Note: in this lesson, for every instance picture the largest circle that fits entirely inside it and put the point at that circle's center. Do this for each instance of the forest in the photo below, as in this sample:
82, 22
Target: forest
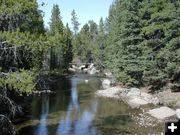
139, 42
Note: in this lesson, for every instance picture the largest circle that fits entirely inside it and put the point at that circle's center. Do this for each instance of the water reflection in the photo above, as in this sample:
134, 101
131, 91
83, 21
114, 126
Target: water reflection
42, 127
74, 124
75, 110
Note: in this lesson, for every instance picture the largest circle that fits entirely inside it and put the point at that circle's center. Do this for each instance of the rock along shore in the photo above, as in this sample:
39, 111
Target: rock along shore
135, 98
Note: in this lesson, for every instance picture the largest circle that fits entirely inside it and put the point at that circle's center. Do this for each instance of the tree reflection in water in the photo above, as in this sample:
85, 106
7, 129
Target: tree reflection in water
74, 124
42, 127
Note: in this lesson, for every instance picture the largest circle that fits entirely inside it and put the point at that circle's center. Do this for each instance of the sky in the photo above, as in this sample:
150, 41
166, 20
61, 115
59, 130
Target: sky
85, 9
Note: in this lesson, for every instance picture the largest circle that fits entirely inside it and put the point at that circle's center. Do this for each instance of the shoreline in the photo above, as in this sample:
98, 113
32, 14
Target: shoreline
164, 103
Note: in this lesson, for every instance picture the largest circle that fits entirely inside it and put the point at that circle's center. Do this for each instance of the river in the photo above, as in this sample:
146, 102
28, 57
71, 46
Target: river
75, 110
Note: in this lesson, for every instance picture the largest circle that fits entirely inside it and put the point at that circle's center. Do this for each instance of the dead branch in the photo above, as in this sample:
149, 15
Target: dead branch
6, 126
7, 107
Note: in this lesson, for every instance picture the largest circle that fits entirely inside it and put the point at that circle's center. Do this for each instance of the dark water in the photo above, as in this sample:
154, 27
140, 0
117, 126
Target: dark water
75, 110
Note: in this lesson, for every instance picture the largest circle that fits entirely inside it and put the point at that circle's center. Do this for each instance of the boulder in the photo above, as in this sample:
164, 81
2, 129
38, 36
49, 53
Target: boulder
106, 83
74, 67
71, 70
92, 71
162, 113
136, 102
91, 66
150, 99
155, 101
133, 92
112, 92
85, 70
178, 113
82, 67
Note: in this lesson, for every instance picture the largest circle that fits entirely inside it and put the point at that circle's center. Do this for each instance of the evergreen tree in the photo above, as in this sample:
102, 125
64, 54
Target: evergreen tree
161, 36
93, 30
68, 54
57, 32
75, 22
124, 39
84, 44
56, 24
22, 15
142, 46
101, 28
99, 51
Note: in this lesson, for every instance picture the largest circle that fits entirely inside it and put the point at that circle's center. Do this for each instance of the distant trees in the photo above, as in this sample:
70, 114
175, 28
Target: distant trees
89, 43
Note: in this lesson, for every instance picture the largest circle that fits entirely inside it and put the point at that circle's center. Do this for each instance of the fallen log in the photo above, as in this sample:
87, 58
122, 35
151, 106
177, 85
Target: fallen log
43, 92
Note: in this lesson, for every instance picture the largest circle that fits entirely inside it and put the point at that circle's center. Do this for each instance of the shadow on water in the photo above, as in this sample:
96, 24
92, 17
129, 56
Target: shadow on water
75, 110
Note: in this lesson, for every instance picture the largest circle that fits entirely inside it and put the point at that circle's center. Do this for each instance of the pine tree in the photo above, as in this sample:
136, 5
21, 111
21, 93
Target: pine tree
124, 38
56, 31
84, 49
68, 54
101, 28
93, 30
99, 50
143, 42
75, 22
56, 24
161, 36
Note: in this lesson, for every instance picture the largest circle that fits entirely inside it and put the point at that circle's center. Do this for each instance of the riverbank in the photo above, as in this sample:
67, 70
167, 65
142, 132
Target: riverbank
164, 101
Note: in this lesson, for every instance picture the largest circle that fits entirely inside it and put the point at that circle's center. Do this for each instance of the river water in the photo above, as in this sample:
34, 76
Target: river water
75, 110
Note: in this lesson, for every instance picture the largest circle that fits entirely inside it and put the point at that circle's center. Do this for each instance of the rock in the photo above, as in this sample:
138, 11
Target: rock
112, 92
162, 112
91, 66
71, 70
155, 101
74, 67
108, 73
136, 102
106, 83
133, 96
178, 113
82, 67
177, 104
93, 71
150, 99
86, 81
85, 70
133, 92
146, 96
